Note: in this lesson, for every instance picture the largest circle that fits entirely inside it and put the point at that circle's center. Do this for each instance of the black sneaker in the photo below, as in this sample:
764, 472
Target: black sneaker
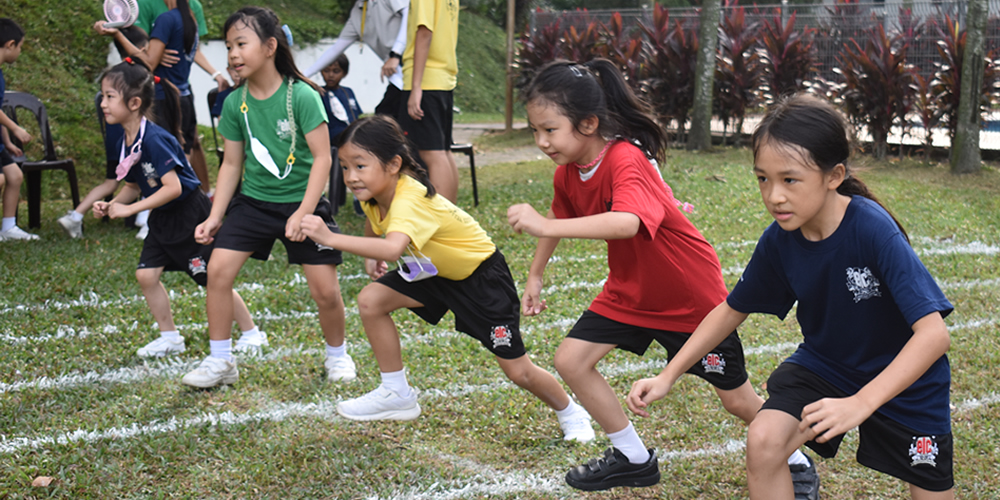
805, 480
613, 470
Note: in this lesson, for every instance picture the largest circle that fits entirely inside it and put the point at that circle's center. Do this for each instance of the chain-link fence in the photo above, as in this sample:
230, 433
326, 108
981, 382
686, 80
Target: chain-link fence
835, 25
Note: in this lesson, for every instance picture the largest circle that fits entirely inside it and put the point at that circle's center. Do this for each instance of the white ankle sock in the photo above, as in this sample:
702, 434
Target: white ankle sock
630, 444
568, 410
76, 216
173, 335
798, 458
396, 382
8, 222
141, 218
251, 333
222, 349
339, 352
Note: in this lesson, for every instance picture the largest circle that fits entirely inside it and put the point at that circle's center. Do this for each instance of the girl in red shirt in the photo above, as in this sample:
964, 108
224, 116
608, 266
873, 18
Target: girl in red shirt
664, 277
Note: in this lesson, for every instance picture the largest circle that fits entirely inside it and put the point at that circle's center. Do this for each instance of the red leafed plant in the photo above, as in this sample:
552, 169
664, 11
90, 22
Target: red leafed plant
737, 68
537, 49
947, 83
624, 48
789, 57
671, 53
927, 110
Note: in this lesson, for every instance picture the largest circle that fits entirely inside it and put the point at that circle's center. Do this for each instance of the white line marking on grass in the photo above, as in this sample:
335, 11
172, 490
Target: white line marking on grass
977, 403
950, 285
931, 246
731, 446
976, 323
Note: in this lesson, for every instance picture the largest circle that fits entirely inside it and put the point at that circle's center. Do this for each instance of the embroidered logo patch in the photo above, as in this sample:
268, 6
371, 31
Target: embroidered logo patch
714, 363
149, 173
923, 451
862, 283
500, 336
283, 129
197, 265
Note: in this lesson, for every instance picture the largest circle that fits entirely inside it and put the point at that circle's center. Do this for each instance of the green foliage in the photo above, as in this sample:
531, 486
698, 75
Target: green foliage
789, 57
672, 52
947, 84
738, 68
482, 56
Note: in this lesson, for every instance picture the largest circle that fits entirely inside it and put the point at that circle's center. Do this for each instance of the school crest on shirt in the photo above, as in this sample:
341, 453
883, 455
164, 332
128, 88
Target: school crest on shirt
500, 335
197, 265
714, 363
923, 451
149, 173
862, 283
283, 129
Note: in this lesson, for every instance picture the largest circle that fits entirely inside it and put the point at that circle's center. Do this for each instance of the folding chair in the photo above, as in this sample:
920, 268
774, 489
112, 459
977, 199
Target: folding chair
337, 192
33, 169
212, 97
467, 149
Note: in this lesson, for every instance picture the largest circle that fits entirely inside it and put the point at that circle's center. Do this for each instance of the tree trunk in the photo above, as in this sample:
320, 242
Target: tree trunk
966, 157
704, 79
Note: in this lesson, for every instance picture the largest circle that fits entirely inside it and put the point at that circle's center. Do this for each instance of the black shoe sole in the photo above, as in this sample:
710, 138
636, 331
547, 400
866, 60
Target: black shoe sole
627, 481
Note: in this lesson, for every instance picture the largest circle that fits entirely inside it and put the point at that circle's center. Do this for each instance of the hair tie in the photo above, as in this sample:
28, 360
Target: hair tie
576, 71
129, 60
156, 79
288, 34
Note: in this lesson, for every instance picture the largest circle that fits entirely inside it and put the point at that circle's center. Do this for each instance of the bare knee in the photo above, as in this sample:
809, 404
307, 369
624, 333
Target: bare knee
147, 278
568, 365
13, 177
764, 447
520, 371
327, 296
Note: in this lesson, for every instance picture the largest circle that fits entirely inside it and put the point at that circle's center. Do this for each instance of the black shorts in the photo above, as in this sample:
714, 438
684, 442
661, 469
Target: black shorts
485, 304
884, 445
433, 132
253, 225
390, 101
170, 243
189, 121
6, 158
724, 367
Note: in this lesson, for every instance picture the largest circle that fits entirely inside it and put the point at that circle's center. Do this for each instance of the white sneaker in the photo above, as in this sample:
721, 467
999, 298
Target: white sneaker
16, 233
380, 404
576, 427
161, 347
143, 231
340, 369
251, 345
212, 372
72, 226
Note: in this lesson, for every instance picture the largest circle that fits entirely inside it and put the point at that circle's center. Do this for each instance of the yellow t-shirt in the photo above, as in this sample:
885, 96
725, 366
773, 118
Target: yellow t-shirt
439, 230
441, 17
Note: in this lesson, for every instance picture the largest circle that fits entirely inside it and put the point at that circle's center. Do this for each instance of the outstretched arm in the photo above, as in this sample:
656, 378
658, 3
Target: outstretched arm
716, 326
834, 416
606, 226
386, 249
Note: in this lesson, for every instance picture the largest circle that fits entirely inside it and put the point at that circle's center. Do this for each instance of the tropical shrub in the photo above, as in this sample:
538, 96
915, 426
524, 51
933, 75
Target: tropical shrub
947, 83
788, 57
926, 109
737, 70
671, 53
624, 48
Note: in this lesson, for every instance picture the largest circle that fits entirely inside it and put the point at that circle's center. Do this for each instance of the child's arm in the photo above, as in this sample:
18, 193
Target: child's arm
319, 144
716, 326
386, 249
421, 48
834, 416
374, 267
606, 226
120, 207
531, 301
19, 132
14, 150
230, 173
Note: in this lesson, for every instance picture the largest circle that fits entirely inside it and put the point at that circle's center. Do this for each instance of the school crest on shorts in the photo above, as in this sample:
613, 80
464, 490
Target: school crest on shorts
714, 363
197, 265
923, 451
500, 335
862, 283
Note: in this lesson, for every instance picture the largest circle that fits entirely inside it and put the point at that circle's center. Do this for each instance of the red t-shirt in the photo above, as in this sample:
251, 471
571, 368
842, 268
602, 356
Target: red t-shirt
665, 277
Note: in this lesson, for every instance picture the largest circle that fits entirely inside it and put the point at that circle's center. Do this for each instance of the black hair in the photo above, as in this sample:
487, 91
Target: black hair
343, 62
264, 22
132, 78
189, 23
381, 136
10, 30
134, 34
597, 88
812, 125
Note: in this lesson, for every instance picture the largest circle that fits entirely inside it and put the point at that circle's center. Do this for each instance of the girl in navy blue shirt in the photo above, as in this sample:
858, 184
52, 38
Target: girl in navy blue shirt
872, 317
153, 164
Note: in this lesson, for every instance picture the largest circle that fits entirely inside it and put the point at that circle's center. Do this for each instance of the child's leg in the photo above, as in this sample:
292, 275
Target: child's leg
241, 313
772, 437
918, 493
12, 192
375, 304
325, 290
576, 361
742, 402
537, 381
222, 270
156, 297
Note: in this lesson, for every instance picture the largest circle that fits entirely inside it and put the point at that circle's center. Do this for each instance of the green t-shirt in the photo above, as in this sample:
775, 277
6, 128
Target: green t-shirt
269, 124
149, 10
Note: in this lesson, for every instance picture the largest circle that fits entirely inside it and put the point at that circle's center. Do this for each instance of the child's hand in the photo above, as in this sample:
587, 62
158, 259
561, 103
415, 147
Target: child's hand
531, 302
831, 417
204, 233
413, 107
169, 58
101, 30
316, 229
100, 209
119, 210
376, 268
13, 150
645, 391
524, 218
293, 228
22, 135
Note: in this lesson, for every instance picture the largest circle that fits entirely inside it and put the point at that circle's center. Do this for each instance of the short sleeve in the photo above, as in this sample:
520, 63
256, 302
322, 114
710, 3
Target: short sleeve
561, 205
911, 285
162, 28
308, 107
230, 122
411, 219
763, 288
635, 191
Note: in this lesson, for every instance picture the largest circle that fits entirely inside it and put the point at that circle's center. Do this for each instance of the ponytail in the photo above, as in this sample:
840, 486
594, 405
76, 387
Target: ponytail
264, 22
381, 136
189, 23
816, 127
598, 89
170, 109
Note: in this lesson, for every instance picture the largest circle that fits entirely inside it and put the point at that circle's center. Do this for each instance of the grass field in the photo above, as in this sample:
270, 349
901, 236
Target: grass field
79, 406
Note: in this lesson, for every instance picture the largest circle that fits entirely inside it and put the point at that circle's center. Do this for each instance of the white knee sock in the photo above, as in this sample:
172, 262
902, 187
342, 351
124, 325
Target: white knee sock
630, 444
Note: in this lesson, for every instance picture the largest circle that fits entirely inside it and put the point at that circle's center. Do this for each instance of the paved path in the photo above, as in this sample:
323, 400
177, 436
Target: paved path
467, 132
